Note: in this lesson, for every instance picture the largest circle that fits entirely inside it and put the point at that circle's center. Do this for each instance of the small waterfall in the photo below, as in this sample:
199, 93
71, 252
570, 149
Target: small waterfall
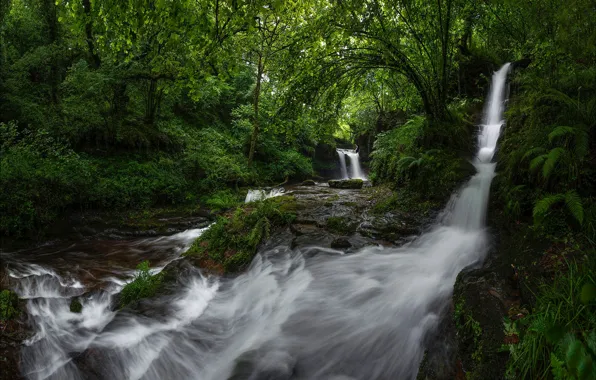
259, 194
291, 315
355, 168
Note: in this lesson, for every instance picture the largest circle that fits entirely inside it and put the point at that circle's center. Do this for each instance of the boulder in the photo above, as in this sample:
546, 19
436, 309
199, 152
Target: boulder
308, 182
346, 183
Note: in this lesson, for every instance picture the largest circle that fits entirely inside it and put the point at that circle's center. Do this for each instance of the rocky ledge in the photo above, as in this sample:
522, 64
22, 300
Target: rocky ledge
346, 183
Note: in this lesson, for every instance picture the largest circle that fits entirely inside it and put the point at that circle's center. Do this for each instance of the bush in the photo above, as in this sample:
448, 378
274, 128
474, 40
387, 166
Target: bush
144, 285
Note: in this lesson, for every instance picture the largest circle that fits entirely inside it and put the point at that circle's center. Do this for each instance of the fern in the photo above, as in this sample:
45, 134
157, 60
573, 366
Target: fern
537, 162
572, 201
560, 131
575, 206
551, 161
533, 152
543, 206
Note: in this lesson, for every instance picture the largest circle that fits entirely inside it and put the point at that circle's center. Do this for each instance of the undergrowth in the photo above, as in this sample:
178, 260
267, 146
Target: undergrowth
558, 339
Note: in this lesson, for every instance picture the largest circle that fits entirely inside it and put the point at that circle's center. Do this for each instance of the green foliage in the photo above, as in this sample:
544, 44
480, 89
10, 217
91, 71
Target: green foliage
399, 159
222, 200
572, 201
143, 285
8, 305
559, 336
232, 241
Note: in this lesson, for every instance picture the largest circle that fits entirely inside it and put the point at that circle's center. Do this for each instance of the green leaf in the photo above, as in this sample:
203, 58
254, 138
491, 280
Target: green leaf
537, 162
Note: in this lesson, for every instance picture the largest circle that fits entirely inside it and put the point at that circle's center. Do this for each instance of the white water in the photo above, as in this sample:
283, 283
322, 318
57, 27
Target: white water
259, 195
327, 316
355, 167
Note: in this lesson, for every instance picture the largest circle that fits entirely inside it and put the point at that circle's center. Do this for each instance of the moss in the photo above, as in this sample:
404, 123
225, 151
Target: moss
9, 303
347, 184
341, 225
76, 306
232, 241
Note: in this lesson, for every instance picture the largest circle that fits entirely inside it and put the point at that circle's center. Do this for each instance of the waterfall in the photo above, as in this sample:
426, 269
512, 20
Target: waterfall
342, 163
355, 168
292, 315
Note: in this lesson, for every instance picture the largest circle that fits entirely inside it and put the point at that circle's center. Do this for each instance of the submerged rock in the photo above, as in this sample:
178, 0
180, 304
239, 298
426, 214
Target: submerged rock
346, 183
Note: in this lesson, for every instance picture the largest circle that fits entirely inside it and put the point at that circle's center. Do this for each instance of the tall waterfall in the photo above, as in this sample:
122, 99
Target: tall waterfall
355, 168
359, 316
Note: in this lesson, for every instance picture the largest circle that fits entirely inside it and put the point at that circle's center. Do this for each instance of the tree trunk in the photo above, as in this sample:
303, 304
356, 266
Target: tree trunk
89, 34
255, 131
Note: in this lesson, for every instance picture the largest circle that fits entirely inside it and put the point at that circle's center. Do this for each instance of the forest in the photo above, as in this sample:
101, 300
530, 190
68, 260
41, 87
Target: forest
124, 108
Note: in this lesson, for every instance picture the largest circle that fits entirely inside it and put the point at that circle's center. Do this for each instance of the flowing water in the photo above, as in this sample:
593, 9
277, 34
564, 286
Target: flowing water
355, 168
259, 195
327, 316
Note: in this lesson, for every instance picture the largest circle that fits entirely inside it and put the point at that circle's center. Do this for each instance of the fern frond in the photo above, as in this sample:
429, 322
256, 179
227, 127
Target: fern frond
582, 143
574, 204
561, 131
533, 152
544, 205
551, 161
537, 162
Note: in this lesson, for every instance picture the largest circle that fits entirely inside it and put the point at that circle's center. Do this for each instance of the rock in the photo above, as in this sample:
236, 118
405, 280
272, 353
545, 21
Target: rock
308, 182
346, 184
341, 242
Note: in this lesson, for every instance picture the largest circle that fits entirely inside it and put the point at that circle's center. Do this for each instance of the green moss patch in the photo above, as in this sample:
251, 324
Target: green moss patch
341, 225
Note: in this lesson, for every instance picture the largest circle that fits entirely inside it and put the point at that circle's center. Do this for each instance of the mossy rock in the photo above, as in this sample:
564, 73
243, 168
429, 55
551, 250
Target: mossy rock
308, 182
346, 184
341, 225
76, 306
9, 305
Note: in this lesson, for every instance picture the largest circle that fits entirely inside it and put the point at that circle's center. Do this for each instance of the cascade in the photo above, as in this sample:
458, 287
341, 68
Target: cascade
355, 168
291, 315
259, 194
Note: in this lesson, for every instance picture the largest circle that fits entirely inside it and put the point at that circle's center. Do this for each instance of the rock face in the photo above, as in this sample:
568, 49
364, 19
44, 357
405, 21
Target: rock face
346, 184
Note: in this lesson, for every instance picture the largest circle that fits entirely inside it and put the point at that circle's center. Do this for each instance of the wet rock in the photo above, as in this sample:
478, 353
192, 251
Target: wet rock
341, 242
308, 182
346, 184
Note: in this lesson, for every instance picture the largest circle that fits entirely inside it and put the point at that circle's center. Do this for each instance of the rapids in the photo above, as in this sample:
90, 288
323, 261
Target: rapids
293, 314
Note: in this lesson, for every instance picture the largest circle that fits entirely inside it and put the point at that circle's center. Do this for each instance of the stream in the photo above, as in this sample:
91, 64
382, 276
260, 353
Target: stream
296, 313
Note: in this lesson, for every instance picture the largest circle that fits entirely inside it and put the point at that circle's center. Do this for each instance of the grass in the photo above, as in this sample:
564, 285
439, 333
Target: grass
230, 244
144, 285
